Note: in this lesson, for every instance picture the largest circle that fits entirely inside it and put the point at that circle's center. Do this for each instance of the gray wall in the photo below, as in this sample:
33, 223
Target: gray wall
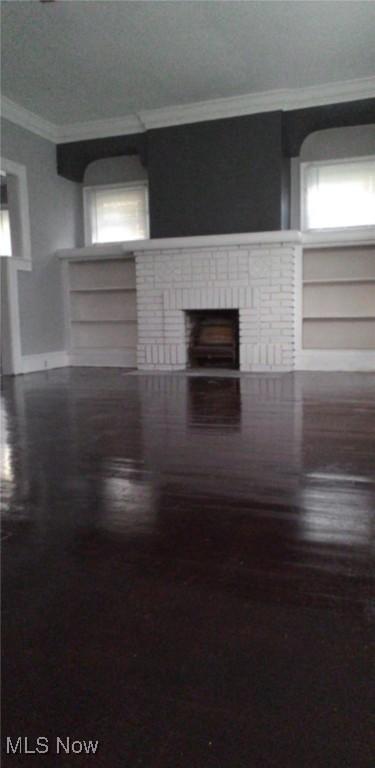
56, 222
331, 144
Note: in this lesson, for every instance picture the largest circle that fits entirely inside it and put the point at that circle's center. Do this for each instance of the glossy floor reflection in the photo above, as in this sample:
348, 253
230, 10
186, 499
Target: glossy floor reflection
188, 568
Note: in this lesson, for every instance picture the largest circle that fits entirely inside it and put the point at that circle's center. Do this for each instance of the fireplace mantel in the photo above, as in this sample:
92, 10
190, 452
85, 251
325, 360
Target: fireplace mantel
211, 241
131, 247
318, 239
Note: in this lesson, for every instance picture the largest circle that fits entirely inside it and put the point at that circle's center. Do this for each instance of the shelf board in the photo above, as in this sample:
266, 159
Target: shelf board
336, 281
340, 317
104, 348
100, 322
101, 290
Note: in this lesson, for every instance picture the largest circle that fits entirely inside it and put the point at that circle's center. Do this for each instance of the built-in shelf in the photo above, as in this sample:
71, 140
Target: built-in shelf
100, 289
338, 317
114, 349
99, 322
338, 280
100, 300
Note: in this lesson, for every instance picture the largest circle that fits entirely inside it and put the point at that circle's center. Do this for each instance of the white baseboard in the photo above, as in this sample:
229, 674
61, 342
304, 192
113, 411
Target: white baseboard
307, 360
44, 361
106, 358
336, 360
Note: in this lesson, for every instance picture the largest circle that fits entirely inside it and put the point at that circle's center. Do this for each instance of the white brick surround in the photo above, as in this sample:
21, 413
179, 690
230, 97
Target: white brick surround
258, 275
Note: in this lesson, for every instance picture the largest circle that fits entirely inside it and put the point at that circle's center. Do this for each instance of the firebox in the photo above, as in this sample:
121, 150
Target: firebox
212, 338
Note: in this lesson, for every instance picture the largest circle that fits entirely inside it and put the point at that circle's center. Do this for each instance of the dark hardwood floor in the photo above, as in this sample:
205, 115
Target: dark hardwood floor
188, 568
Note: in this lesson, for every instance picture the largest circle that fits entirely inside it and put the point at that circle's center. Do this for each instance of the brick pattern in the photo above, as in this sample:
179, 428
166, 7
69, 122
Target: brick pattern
260, 282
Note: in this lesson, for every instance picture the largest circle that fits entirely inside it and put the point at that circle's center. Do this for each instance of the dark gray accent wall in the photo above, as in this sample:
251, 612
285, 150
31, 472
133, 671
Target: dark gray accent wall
216, 177
299, 123
285, 193
74, 157
219, 176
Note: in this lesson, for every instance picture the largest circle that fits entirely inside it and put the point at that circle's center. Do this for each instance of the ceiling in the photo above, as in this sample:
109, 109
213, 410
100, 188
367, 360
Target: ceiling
73, 61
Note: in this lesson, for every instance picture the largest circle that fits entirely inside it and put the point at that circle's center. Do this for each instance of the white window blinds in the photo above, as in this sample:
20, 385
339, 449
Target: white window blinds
340, 194
118, 213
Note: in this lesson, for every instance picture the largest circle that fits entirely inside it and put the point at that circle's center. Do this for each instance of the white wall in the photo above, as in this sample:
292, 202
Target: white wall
56, 222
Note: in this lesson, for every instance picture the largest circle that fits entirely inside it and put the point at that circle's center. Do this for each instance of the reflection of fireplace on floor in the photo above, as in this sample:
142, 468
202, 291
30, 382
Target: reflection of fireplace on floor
214, 401
212, 338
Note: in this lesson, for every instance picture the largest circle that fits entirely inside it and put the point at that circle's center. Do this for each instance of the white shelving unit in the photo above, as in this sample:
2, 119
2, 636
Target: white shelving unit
101, 311
337, 281
339, 298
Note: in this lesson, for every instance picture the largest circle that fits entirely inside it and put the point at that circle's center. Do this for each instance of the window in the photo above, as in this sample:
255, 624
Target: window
5, 240
116, 213
338, 194
14, 214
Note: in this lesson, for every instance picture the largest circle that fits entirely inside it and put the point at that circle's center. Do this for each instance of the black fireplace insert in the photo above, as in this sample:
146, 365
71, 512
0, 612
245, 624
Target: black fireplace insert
213, 338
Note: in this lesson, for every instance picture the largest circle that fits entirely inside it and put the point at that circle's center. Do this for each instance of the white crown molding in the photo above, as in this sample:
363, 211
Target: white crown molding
29, 120
268, 101
100, 129
248, 104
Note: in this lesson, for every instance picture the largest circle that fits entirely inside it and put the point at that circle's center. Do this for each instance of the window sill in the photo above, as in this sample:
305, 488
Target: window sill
332, 237
100, 251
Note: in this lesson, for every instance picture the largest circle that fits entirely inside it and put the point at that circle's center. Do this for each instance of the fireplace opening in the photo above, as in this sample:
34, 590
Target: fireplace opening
212, 338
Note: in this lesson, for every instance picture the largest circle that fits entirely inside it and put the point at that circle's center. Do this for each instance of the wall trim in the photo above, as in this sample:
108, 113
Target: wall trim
292, 237
100, 129
360, 360
128, 249
320, 239
266, 101
104, 358
195, 112
12, 363
97, 251
29, 120
307, 360
44, 361
21, 245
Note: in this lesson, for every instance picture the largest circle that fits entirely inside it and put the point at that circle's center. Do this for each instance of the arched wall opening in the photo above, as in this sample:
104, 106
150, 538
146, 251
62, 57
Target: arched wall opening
115, 193
329, 144
115, 170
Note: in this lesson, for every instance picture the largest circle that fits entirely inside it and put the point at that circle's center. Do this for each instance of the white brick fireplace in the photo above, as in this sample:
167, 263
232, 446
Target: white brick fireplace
259, 275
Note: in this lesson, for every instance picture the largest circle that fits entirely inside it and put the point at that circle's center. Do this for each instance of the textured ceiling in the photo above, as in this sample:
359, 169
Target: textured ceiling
83, 60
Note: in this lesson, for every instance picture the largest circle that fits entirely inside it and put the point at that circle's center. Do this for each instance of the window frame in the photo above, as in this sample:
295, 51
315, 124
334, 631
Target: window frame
87, 197
21, 240
304, 166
